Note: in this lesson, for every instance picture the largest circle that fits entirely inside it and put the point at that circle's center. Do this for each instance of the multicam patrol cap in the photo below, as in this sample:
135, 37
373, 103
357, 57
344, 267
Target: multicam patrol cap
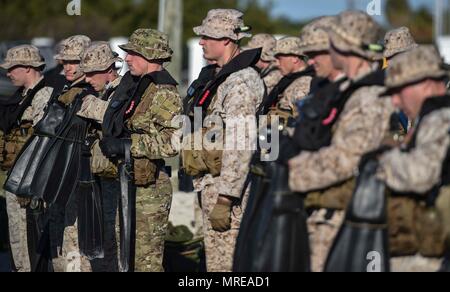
73, 47
223, 23
314, 35
289, 46
268, 44
25, 55
357, 33
150, 44
398, 41
98, 57
413, 66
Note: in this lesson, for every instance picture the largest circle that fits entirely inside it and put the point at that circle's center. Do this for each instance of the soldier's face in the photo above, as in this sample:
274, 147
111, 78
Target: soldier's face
322, 63
287, 64
18, 75
98, 80
409, 99
138, 65
337, 59
213, 49
72, 70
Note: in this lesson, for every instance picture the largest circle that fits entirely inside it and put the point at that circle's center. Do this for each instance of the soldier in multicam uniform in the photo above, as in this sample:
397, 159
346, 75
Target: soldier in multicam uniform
270, 73
236, 97
149, 120
417, 172
99, 65
24, 110
359, 126
70, 258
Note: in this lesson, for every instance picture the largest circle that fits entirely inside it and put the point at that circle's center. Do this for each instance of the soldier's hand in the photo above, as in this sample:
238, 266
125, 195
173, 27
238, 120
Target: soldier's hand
23, 202
220, 217
113, 147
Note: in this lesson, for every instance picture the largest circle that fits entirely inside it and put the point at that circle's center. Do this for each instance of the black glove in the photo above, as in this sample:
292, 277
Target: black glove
288, 149
113, 147
373, 155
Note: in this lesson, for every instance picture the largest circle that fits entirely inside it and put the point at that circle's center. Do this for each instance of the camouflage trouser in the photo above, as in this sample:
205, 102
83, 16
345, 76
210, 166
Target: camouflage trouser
415, 264
70, 259
152, 218
219, 246
322, 233
17, 220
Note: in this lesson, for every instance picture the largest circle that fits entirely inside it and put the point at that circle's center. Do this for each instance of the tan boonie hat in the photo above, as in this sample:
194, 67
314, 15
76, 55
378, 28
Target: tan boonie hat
398, 41
150, 44
25, 55
265, 41
73, 47
223, 23
414, 66
314, 36
289, 46
357, 33
98, 57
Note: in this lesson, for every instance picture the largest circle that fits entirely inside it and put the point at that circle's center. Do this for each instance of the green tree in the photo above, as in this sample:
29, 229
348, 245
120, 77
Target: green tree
102, 19
420, 21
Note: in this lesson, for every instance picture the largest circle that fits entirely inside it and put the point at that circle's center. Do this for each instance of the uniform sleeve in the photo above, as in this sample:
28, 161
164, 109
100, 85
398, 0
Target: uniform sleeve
420, 169
36, 111
156, 142
360, 129
297, 91
93, 108
240, 106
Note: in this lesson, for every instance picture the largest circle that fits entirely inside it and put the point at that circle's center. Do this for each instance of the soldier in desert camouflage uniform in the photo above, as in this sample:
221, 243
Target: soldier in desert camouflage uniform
149, 120
25, 109
99, 65
359, 127
70, 258
270, 73
417, 172
316, 45
397, 41
291, 61
236, 97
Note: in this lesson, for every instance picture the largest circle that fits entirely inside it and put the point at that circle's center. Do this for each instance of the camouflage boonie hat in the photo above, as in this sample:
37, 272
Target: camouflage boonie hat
398, 41
265, 41
289, 46
73, 47
150, 44
413, 66
356, 32
315, 37
25, 55
98, 57
223, 23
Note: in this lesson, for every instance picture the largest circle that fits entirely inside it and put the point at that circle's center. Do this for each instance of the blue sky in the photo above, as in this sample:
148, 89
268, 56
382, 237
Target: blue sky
306, 9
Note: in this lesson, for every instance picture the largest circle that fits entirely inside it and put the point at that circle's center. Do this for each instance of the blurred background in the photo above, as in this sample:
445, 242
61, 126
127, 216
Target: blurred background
44, 23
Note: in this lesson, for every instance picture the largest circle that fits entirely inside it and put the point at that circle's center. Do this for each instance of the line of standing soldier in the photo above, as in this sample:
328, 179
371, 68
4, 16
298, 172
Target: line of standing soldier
136, 110
336, 116
329, 79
